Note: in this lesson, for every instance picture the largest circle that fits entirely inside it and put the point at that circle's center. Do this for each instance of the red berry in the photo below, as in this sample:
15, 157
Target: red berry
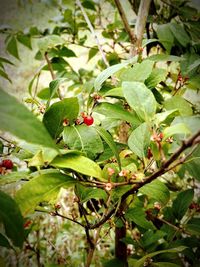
161, 135
83, 114
149, 153
88, 120
27, 223
7, 163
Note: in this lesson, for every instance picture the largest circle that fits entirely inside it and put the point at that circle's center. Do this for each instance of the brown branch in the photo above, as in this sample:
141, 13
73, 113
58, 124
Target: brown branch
93, 32
69, 219
49, 66
125, 22
193, 140
141, 21
92, 249
165, 167
55, 213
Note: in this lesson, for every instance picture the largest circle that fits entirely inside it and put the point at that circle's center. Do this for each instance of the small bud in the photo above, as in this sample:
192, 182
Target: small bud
3, 170
27, 223
108, 186
83, 114
149, 153
123, 173
161, 135
180, 78
170, 140
157, 205
57, 206
77, 121
42, 108
157, 137
110, 171
65, 122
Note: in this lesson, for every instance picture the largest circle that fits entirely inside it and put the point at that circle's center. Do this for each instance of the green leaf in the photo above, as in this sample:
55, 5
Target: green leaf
19, 121
138, 216
25, 40
165, 36
192, 165
115, 92
44, 187
78, 163
49, 41
5, 60
12, 177
109, 140
156, 190
113, 262
68, 108
104, 75
140, 263
182, 202
83, 138
195, 64
86, 193
12, 47
151, 237
192, 122
4, 242
139, 140
45, 94
116, 111
161, 117
193, 226
89, 5
140, 98
145, 42
5, 75
156, 76
179, 128
179, 103
139, 72
53, 87
12, 219
180, 34
66, 52
164, 57
92, 52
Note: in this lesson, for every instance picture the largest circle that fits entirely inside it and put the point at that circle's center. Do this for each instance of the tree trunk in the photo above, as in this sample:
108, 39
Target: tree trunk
121, 247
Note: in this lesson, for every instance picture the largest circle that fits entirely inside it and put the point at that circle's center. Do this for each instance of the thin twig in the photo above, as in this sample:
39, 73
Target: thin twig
49, 66
67, 218
52, 73
93, 32
36, 88
55, 213
125, 22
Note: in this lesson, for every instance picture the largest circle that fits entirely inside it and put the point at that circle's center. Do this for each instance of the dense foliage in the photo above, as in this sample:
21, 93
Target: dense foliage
108, 157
